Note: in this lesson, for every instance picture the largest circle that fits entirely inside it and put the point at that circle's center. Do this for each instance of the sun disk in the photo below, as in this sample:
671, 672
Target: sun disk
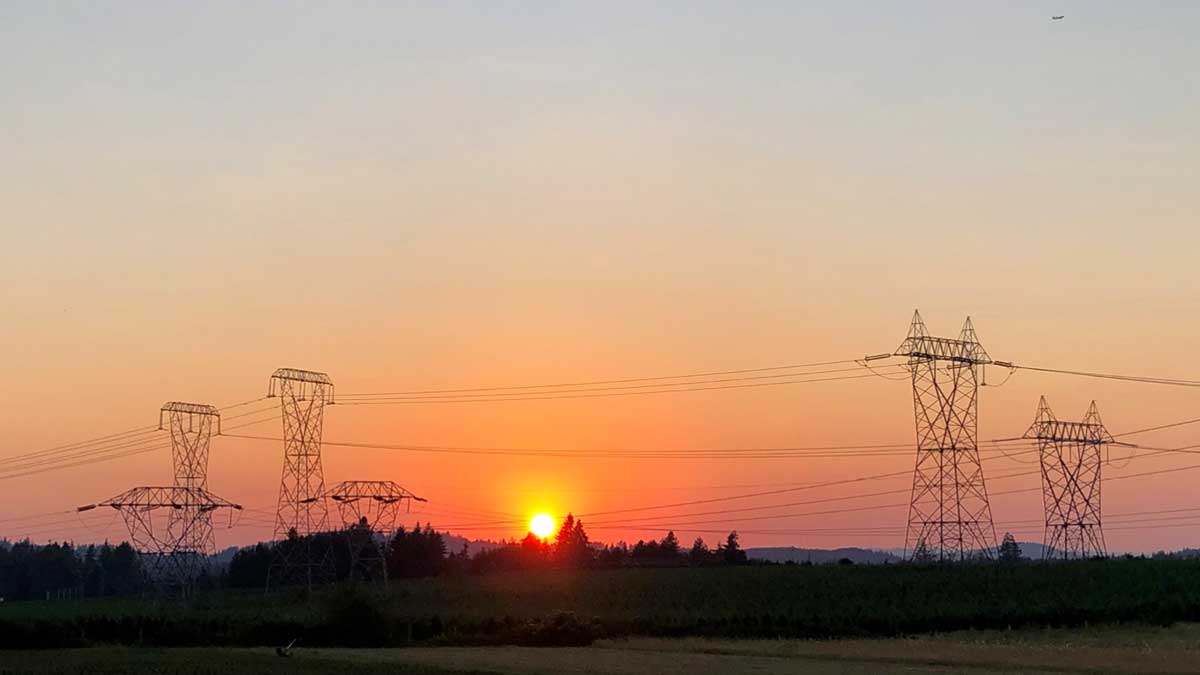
542, 525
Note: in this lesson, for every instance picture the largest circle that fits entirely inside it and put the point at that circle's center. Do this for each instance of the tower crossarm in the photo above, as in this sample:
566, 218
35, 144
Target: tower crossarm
303, 377
943, 349
187, 409
1047, 427
174, 497
378, 490
1077, 432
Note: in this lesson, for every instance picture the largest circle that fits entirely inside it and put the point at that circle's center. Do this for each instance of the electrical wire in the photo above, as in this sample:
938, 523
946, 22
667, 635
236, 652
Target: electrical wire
603, 382
653, 519
830, 451
1157, 428
103, 455
551, 397
380, 397
94, 446
1109, 376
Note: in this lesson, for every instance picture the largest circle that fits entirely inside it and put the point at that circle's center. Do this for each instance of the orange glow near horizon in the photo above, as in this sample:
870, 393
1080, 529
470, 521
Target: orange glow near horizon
542, 525
584, 218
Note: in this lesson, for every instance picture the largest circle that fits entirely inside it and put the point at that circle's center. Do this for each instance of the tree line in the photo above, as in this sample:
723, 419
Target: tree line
418, 552
571, 548
421, 552
32, 572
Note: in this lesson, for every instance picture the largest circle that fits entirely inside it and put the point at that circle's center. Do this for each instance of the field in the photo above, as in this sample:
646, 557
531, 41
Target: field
575, 608
1091, 650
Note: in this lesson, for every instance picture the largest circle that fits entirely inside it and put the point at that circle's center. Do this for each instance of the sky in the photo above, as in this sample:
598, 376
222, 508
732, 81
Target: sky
414, 196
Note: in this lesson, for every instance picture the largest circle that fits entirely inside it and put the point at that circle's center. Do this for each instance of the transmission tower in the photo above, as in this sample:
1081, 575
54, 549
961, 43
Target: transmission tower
191, 427
1071, 459
949, 517
167, 548
370, 511
301, 512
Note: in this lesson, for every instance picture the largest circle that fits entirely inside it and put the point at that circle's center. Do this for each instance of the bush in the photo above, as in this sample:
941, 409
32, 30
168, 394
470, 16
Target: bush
355, 618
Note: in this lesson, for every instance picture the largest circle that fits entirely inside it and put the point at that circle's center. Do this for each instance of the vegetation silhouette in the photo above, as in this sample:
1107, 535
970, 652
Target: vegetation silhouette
33, 572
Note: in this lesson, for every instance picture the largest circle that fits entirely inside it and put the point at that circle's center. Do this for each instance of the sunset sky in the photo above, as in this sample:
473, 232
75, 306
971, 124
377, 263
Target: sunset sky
456, 195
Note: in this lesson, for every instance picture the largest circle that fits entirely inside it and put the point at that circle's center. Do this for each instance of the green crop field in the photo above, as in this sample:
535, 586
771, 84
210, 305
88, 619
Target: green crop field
562, 607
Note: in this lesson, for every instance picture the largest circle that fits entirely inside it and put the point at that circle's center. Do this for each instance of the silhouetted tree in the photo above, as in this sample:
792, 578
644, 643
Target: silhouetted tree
416, 553
571, 548
731, 551
645, 553
670, 545
460, 562
616, 555
699, 555
1010, 550
921, 554
29, 571
535, 552
249, 566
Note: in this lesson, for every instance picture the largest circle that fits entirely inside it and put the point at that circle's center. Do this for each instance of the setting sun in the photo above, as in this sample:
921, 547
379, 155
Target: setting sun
542, 525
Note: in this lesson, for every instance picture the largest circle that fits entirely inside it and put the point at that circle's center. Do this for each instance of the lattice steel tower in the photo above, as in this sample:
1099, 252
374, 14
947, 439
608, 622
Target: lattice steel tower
949, 517
370, 511
301, 511
191, 427
169, 560
1071, 460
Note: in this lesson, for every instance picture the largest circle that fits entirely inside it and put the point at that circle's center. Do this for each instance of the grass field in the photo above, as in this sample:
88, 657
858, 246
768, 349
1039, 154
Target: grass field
204, 661
1092, 650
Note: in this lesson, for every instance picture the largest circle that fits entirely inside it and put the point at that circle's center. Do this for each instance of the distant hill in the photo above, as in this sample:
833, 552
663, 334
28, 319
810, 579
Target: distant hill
821, 556
454, 544
1183, 554
1029, 549
866, 556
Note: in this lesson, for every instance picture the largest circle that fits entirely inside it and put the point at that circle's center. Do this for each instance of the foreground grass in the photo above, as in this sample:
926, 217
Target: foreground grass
203, 661
1091, 650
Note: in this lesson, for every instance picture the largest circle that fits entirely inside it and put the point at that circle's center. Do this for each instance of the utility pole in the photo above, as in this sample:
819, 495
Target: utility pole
301, 512
949, 517
191, 427
164, 544
171, 527
370, 513
1071, 460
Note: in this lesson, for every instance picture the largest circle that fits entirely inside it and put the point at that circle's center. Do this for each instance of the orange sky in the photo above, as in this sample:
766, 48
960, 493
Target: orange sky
193, 201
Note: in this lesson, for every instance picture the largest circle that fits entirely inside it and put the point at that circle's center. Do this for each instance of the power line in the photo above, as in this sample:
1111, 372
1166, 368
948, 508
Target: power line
814, 501
601, 382
33, 516
867, 450
94, 452
104, 455
557, 392
1107, 376
647, 519
68, 465
106, 442
1158, 428
601, 395
101, 441
112, 445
